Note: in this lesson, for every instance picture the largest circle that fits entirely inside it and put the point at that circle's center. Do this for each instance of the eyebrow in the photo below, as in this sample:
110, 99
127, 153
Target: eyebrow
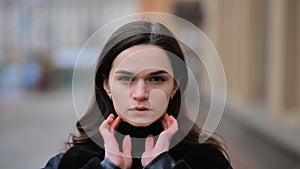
158, 72
151, 74
124, 72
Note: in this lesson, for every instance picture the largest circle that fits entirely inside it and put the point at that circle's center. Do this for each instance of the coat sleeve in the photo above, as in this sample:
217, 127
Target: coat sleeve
54, 162
165, 161
96, 163
82, 156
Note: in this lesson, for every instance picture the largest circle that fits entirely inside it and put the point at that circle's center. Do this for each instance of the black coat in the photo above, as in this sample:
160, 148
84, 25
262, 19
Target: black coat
196, 156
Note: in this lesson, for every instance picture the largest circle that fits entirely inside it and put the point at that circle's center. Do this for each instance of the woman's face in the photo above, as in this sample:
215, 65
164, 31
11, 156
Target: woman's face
141, 84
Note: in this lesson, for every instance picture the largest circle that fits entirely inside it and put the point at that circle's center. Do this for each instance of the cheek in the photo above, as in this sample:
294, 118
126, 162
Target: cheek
120, 99
159, 100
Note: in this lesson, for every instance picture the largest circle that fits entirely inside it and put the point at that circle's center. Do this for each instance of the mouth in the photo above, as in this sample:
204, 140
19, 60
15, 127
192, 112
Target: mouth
140, 108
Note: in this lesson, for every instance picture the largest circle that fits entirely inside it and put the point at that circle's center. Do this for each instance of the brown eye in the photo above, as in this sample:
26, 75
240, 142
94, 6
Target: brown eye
157, 79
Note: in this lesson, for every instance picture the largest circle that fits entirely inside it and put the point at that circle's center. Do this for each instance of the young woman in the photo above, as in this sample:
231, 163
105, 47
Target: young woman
137, 118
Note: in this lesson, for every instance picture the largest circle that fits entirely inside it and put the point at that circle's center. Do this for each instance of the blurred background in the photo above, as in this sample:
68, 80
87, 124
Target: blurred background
258, 42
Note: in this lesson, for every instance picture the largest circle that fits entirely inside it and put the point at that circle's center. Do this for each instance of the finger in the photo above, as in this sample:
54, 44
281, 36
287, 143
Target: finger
174, 125
110, 119
167, 119
164, 124
172, 119
116, 122
127, 146
107, 121
127, 152
104, 127
149, 143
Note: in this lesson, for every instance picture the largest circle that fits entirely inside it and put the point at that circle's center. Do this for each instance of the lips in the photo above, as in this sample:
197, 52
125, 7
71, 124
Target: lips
140, 108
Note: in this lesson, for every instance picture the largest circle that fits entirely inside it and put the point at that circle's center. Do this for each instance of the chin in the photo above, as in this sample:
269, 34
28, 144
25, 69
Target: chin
139, 124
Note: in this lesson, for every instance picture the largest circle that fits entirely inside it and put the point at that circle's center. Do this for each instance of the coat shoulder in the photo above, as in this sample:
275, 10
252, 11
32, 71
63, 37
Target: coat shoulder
200, 155
78, 155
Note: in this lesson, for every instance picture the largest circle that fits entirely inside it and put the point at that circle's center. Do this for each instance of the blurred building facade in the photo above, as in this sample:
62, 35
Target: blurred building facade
258, 42
33, 31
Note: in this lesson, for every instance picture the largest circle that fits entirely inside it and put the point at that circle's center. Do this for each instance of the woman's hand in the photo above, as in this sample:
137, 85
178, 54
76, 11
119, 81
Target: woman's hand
170, 126
111, 146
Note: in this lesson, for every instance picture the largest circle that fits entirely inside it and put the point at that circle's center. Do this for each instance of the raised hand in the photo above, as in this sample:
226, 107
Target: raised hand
170, 126
111, 146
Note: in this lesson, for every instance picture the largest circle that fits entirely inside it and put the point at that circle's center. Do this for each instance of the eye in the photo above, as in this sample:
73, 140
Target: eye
157, 79
125, 78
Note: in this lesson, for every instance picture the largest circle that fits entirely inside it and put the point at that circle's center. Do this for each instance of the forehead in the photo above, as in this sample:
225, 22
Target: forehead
140, 57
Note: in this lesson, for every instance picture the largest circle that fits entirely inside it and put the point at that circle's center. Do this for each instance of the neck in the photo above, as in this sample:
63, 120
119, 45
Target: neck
140, 132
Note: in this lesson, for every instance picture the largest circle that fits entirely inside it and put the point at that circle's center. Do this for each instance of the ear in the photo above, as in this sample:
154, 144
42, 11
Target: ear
106, 87
175, 88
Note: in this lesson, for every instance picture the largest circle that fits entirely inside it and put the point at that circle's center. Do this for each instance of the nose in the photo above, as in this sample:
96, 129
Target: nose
139, 91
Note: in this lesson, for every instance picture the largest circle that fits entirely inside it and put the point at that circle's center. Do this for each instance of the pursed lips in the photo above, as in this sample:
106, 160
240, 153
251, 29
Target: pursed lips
140, 108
